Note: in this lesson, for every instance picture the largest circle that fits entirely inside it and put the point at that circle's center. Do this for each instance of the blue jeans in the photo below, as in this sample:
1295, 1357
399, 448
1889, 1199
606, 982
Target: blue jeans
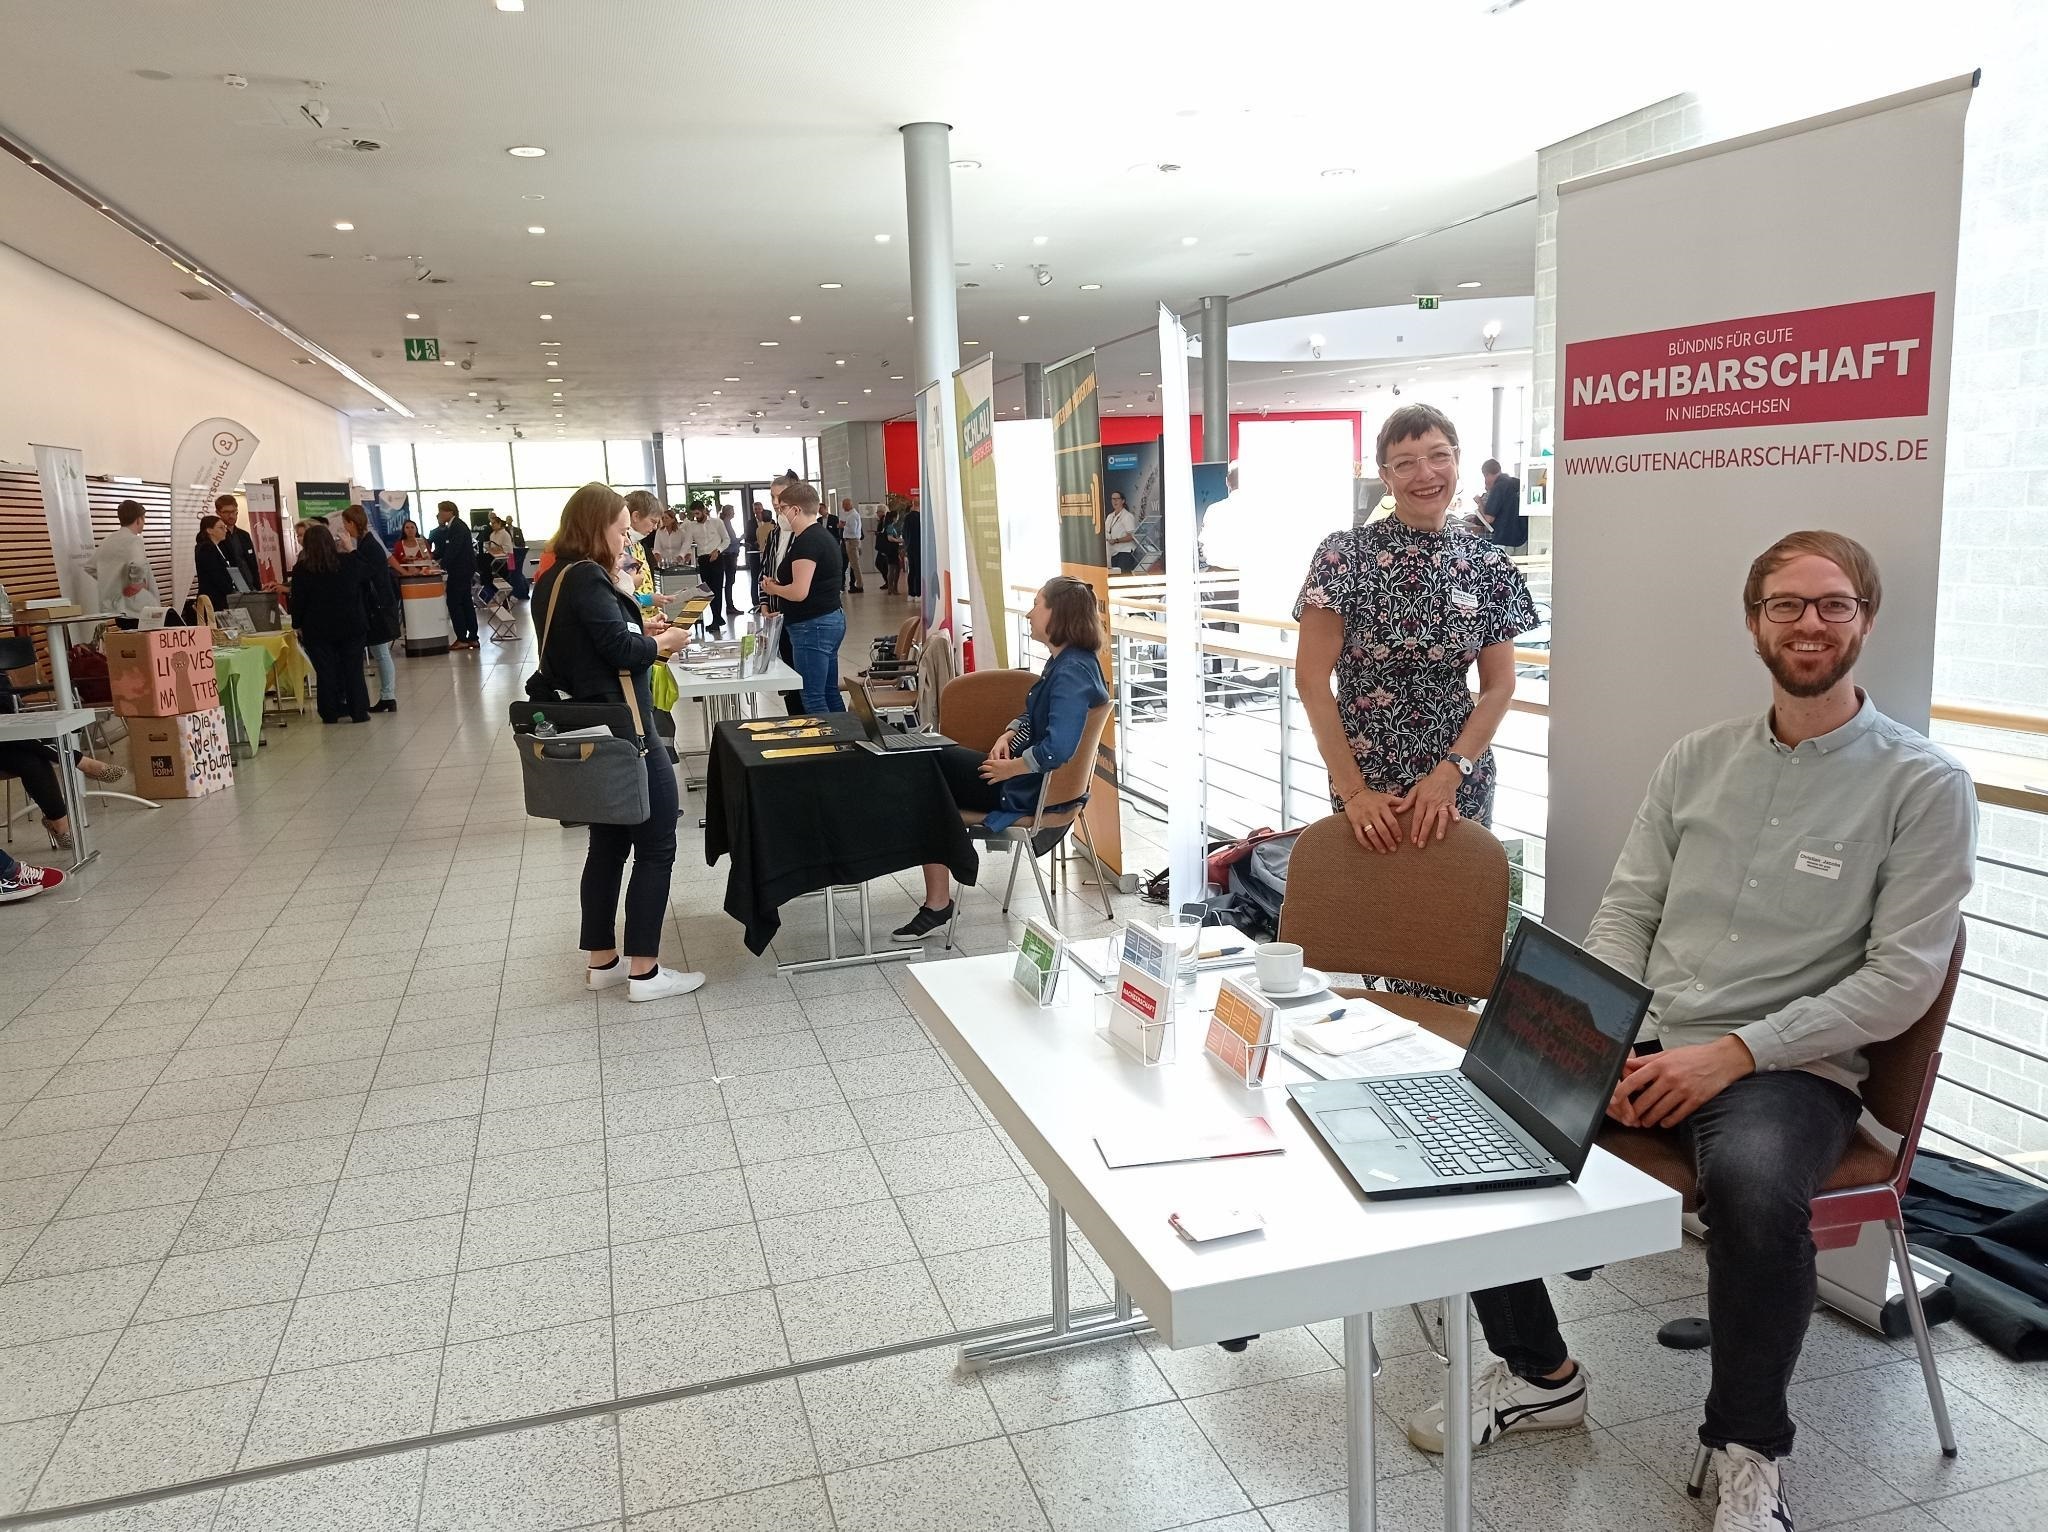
814, 650
8, 865
1761, 1148
387, 673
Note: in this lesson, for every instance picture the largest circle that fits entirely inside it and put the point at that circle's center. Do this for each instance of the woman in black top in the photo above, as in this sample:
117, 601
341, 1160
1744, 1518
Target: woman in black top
806, 586
590, 633
210, 564
381, 606
327, 611
888, 550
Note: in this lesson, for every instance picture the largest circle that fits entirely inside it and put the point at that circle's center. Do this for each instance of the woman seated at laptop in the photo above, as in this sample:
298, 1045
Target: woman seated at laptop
1003, 784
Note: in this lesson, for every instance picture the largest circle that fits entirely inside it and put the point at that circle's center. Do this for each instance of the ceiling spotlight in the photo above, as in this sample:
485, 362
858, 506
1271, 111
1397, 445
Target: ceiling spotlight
970, 343
731, 380
526, 151
472, 393
1468, 284
1340, 170
830, 287
895, 377
771, 342
1144, 374
533, 196
792, 390
1043, 273
554, 380
547, 316
412, 316
557, 396
511, 5
1091, 287
842, 401
1041, 239
796, 319
540, 282
448, 361
1023, 319
534, 228
965, 164
716, 392
547, 343
867, 390
880, 239
838, 361
344, 227
1190, 239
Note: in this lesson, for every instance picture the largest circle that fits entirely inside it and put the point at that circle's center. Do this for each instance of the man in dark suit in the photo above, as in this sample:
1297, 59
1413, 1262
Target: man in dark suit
1501, 509
455, 550
239, 549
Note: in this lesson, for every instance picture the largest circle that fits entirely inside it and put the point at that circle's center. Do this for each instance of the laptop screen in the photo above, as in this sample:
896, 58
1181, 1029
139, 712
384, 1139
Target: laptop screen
864, 710
1551, 1041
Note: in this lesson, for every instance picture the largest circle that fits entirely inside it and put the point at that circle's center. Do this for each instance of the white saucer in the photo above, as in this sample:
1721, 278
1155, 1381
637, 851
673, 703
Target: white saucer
1313, 982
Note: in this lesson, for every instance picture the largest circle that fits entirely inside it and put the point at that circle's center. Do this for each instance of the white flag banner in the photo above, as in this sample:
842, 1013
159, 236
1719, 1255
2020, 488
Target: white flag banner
1186, 826
68, 513
210, 462
1752, 340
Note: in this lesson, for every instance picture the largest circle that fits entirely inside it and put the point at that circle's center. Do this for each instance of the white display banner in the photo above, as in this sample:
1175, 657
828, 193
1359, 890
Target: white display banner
1186, 834
210, 461
1753, 338
938, 482
68, 513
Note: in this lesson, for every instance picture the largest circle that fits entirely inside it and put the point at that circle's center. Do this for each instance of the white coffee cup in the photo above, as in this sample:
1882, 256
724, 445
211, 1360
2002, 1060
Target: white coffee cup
1279, 967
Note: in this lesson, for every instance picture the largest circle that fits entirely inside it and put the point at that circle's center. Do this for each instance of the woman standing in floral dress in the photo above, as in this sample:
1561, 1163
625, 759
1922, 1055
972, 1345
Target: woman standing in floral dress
1395, 614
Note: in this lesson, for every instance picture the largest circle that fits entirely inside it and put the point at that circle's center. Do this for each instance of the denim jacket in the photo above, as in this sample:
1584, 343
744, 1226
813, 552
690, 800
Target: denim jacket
1055, 712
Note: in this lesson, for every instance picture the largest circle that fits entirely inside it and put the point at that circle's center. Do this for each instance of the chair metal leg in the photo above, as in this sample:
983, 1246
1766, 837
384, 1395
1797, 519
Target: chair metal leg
1696, 1483
1101, 878
1432, 1334
1010, 888
1909, 1285
1037, 876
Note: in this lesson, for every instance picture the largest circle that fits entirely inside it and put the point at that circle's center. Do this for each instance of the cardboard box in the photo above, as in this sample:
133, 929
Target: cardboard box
161, 672
185, 756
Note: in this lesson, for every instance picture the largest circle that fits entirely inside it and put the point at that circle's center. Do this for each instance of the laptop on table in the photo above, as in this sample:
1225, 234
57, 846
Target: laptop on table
1523, 1107
886, 739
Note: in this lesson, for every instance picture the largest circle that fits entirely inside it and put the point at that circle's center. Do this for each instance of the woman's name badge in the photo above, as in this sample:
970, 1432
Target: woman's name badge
1464, 601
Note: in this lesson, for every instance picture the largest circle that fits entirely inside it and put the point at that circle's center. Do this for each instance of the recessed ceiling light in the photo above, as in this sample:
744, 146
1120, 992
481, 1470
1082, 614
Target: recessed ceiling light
1041, 239
1468, 284
557, 396
1190, 239
472, 393
970, 343
547, 343
716, 392
867, 390
554, 380
558, 414
490, 414
838, 361
771, 342
533, 196
526, 151
821, 412
344, 227
448, 362
796, 319
1091, 287
732, 380
895, 377
880, 239
535, 228
540, 282
839, 401
831, 287
1023, 319
318, 255
965, 164
412, 316
1144, 374
511, 5
1340, 170
792, 390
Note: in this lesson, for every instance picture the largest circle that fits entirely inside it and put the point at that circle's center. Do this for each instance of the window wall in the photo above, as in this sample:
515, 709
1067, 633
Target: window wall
530, 481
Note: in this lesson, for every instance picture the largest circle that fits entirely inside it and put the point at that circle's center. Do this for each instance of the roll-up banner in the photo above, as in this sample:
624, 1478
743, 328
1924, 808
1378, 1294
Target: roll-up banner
266, 531
1749, 344
934, 478
209, 462
1077, 463
1186, 828
68, 513
974, 408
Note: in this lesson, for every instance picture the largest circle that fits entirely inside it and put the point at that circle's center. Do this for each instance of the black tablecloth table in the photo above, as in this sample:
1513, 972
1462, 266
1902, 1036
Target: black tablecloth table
800, 824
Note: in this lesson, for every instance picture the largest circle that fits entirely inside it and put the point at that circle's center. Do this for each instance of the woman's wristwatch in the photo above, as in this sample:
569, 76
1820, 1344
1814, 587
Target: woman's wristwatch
1463, 763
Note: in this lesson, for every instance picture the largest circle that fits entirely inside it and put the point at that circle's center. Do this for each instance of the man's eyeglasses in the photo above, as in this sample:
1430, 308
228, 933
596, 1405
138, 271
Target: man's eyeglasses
1407, 467
1792, 608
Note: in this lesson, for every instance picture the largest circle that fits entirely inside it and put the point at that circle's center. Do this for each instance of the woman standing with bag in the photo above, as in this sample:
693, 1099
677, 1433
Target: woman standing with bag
381, 608
327, 610
593, 649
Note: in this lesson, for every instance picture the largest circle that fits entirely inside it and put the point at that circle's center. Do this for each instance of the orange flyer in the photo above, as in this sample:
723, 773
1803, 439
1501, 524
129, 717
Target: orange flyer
1240, 1022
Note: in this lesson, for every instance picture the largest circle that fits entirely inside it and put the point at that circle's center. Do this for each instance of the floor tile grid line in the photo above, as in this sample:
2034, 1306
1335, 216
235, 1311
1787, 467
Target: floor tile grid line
432, 1439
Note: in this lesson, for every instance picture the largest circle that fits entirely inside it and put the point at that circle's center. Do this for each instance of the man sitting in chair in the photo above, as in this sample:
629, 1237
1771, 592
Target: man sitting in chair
1004, 784
1790, 890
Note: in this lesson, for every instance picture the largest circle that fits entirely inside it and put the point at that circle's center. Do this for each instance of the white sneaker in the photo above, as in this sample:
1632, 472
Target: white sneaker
1502, 1402
608, 978
662, 983
1751, 1498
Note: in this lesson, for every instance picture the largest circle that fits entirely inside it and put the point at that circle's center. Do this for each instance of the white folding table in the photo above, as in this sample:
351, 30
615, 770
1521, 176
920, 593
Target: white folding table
723, 698
55, 726
1325, 1253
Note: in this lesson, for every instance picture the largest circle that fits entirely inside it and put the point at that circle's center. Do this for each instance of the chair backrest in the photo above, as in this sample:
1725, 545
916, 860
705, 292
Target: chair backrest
974, 708
17, 654
1436, 916
907, 637
1902, 1068
1071, 782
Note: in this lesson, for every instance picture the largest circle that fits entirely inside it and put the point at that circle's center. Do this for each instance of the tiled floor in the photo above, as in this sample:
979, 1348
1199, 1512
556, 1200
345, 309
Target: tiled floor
309, 1140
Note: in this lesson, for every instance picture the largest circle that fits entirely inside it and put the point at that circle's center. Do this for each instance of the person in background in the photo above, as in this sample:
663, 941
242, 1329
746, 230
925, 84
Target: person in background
498, 544
636, 568
1120, 534
238, 549
329, 615
455, 551
850, 533
718, 562
127, 585
806, 586
382, 608
1838, 846
913, 551
672, 541
763, 547
592, 633
412, 548
888, 550
516, 571
217, 578
1004, 784
20, 881
1501, 509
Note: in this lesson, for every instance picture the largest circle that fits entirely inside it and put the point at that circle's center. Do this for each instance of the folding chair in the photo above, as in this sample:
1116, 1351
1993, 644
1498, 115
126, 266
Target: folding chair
1045, 831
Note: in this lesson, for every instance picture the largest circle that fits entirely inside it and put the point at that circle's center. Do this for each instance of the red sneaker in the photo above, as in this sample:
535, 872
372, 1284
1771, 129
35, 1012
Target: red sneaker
27, 882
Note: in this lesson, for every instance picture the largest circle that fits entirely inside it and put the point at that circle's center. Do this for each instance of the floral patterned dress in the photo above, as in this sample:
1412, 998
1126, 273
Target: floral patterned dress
1417, 608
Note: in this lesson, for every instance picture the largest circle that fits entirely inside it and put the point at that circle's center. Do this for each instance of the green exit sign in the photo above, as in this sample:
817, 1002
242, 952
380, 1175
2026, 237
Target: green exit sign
424, 348
1422, 301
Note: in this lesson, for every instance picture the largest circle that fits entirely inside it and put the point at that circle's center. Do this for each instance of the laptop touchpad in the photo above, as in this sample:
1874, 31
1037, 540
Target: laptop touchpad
1355, 1125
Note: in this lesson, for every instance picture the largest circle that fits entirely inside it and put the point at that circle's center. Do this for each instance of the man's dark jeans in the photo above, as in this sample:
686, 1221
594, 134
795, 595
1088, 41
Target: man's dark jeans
1761, 1148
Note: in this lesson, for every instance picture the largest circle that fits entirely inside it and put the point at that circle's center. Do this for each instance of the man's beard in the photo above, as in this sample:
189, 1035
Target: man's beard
1777, 658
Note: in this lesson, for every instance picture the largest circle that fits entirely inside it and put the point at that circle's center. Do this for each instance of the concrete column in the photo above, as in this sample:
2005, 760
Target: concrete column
1034, 391
1499, 394
660, 468
1216, 380
928, 198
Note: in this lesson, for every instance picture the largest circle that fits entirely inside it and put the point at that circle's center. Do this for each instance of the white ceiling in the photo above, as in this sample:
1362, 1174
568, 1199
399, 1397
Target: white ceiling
709, 166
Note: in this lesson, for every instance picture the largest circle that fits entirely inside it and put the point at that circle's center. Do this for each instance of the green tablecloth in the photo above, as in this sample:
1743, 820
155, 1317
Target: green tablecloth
243, 672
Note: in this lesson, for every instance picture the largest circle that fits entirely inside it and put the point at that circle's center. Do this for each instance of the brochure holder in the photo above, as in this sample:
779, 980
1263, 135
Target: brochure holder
1136, 1017
1243, 1031
1039, 962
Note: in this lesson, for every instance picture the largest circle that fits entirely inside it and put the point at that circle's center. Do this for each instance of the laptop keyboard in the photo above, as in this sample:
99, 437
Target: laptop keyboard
903, 741
1458, 1138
